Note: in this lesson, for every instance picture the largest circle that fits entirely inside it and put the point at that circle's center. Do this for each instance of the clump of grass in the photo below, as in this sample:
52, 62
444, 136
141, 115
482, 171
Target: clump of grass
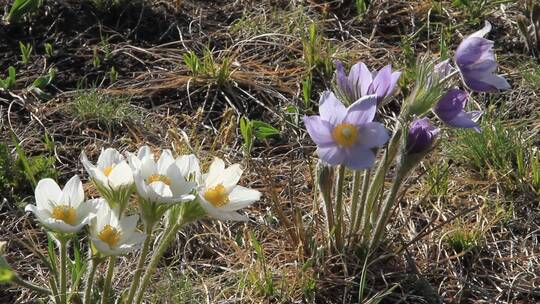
18, 174
437, 179
462, 239
500, 151
209, 67
104, 109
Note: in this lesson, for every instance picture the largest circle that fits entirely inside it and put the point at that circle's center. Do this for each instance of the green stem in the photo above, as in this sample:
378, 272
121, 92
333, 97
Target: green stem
26, 284
108, 279
63, 270
339, 207
387, 207
361, 210
326, 193
168, 236
90, 281
354, 204
140, 264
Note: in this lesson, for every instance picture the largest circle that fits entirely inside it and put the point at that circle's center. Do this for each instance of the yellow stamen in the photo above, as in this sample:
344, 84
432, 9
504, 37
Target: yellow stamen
107, 171
159, 178
217, 196
65, 213
109, 235
345, 135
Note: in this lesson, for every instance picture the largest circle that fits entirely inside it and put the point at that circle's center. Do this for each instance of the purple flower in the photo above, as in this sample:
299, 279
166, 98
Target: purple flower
450, 110
421, 136
477, 64
362, 82
443, 69
346, 135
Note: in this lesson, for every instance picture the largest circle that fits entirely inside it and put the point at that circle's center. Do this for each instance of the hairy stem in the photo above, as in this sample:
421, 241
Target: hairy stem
63, 270
26, 284
140, 264
354, 204
361, 209
90, 281
108, 279
339, 207
168, 236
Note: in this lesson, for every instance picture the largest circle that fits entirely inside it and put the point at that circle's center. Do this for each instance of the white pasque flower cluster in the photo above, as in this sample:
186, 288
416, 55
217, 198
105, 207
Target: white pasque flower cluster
166, 181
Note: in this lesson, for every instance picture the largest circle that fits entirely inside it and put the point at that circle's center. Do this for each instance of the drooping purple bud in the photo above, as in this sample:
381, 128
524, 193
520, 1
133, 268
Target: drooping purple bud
450, 109
421, 136
477, 64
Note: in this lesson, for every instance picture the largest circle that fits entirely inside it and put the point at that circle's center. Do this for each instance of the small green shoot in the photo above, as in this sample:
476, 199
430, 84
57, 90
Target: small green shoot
26, 51
104, 109
49, 49
9, 82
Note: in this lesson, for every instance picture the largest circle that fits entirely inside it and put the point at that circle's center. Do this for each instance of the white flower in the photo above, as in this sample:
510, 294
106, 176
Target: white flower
135, 161
161, 182
112, 171
62, 210
112, 236
189, 167
220, 195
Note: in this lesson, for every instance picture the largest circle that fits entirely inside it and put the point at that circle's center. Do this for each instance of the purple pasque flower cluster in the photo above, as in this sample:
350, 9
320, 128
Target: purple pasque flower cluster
346, 135
476, 63
362, 82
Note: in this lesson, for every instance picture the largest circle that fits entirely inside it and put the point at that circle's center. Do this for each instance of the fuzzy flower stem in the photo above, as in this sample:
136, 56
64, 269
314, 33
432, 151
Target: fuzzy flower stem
108, 278
339, 207
140, 264
90, 280
362, 207
63, 269
168, 237
387, 207
26, 284
354, 205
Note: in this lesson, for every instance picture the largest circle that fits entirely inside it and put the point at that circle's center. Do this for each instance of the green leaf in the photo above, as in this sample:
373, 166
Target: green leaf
264, 130
20, 8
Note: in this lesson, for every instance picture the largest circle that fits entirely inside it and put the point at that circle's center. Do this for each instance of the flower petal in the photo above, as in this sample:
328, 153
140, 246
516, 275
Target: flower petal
372, 135
215, 173
73, 193
362, 111
319, 130
121, 176
165, 160
47, 193
331, 109
231, 176
331, 154
241, 197
108, 158
359, 157
466, 120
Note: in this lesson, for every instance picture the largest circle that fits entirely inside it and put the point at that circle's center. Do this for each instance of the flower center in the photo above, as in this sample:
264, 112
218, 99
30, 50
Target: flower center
345, 135
109, 235
107, 171
65, 213
158, 178
217, 196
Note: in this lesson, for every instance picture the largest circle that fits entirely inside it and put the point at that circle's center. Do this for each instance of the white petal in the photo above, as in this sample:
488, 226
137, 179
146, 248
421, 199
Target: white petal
109, 158
165, 161
179, 185
215, 171
161, 189
47, 194
142, 187
241, 197
102, 246
189, 166
135, 239
128, 224
231, 176
121, 176
73, 193
148, 167
144, 152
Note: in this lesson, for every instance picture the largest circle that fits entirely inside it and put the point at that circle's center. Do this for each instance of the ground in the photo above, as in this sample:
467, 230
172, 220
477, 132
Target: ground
466, 229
